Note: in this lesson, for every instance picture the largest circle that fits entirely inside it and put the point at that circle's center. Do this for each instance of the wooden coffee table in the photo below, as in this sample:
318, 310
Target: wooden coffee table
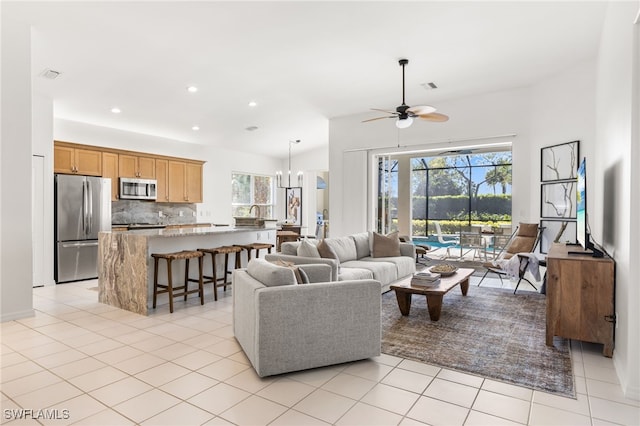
405, 290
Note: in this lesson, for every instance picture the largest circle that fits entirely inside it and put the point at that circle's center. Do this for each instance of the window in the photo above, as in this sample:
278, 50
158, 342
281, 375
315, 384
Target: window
461, 190
247, 190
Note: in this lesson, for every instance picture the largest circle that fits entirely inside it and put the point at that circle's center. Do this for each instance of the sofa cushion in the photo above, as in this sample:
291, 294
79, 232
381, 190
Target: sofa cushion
269, 274
290, 248
385, 272
347, 274
385, 246
405, 265
307, 249
344, 247
326, 251
301, 276
362, 244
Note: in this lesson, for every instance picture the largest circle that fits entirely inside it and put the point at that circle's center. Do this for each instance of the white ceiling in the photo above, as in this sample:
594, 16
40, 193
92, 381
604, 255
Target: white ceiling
302, 62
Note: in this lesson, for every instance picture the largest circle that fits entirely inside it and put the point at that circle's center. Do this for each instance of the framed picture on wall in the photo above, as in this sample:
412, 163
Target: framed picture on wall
559, 162
558, 200
560, 231
293, 197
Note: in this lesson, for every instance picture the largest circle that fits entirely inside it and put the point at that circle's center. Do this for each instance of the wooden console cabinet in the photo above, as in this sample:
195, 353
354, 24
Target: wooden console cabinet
580, 297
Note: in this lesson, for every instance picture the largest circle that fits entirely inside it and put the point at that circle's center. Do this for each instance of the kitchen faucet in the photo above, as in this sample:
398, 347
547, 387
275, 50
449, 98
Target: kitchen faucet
257, 208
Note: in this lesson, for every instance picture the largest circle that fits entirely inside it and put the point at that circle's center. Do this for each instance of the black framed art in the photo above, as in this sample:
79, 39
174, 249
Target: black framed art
558, 200
294, 205
559, 162
557, 231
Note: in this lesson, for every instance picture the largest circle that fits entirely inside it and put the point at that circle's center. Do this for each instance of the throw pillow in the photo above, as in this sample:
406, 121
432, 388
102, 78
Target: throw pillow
301, 276
528, 229
388, 246
269, 274
326, 251
307, 249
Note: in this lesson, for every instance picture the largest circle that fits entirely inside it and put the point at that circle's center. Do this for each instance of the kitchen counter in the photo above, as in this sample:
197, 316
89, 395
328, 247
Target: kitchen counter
125, 265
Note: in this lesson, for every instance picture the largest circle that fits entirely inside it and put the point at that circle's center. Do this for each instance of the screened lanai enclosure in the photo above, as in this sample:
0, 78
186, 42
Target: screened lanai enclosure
458, 190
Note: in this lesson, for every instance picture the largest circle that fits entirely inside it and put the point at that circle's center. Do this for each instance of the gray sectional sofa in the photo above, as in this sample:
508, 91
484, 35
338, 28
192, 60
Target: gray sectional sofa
284, 327
355, 259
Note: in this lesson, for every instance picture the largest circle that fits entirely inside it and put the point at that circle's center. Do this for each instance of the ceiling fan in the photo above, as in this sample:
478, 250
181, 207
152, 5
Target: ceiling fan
405, 114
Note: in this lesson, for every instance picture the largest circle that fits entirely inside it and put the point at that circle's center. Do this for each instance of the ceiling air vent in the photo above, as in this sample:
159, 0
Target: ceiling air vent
50, 74
429, 86
251, 128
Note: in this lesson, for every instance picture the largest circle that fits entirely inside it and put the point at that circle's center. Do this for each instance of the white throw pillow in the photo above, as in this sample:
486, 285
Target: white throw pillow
308, 249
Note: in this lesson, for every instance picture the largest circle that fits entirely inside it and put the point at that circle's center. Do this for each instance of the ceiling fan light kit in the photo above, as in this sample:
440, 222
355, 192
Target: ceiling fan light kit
404, 114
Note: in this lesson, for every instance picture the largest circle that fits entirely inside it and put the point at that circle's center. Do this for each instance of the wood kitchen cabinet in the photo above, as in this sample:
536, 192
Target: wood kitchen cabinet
580, 297
179, 180
110, 170
185, 182
194, 182
132, 166
162, 176
71, 160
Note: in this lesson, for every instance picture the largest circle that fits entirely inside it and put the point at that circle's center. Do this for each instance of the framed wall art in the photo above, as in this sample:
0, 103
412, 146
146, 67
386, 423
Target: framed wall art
558, 200
294, 205
559, 162
557, 231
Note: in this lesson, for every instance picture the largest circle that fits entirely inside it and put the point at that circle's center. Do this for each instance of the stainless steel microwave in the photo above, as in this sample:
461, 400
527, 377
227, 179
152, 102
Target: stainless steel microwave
138, 189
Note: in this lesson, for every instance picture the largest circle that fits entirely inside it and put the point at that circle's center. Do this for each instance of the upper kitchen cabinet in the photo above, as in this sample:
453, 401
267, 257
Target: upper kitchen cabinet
194, 182
162, 177
185, 182
110, 170
133, 166
69, 160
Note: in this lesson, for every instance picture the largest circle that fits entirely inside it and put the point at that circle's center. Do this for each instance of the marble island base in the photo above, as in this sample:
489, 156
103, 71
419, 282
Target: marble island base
125, 265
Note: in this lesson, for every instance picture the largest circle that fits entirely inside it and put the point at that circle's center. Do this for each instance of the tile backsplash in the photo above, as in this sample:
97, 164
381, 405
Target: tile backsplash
135, 211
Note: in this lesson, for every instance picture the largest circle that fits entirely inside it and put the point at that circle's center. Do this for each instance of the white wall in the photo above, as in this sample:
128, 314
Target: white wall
16, 300
616, 161
42, 127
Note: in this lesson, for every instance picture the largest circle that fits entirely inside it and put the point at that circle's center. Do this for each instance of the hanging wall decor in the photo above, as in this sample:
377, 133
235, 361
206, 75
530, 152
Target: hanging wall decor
558, 174
559, 162
294, 205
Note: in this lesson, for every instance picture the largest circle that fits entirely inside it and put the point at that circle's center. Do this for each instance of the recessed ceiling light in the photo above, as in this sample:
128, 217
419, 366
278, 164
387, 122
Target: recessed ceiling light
192, 89
195, 128
253, 103
116, 110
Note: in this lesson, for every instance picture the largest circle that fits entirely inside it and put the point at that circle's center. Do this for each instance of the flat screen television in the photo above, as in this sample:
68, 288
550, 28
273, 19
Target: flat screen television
582, 226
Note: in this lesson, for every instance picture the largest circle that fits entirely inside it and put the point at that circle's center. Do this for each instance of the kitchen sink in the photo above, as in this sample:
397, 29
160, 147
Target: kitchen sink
254, 222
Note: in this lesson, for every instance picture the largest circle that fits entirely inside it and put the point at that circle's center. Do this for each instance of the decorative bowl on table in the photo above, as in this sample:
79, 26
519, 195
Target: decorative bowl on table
444, 269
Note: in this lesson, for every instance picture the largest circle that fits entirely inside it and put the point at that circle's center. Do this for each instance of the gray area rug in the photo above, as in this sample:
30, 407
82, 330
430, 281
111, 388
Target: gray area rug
490, 333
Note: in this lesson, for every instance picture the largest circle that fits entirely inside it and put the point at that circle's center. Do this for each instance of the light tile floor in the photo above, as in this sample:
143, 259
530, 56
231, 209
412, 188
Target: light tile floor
98, 365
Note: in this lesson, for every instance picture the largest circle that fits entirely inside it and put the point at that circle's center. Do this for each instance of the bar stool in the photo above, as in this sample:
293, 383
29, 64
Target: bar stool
169, 288
255, 246
226, 250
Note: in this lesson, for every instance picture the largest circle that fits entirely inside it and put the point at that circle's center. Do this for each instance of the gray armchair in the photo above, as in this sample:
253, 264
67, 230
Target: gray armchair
283, 326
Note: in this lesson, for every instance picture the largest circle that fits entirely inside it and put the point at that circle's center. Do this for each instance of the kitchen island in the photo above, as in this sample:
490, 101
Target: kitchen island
125, 265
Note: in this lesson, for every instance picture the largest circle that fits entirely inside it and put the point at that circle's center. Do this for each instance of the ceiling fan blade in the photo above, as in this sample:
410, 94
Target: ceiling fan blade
421, 109
378, 118
434, 116
384, 110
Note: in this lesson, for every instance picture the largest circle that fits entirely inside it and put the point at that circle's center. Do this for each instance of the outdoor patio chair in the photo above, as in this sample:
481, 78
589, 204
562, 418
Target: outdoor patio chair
446, 243
472, 240
522, 244
421, 249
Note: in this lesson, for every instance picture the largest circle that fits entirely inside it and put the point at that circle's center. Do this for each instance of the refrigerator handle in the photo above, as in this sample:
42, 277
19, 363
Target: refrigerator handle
84, 207
90, 211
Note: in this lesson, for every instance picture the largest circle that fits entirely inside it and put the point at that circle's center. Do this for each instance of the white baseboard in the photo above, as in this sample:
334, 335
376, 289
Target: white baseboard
17, 315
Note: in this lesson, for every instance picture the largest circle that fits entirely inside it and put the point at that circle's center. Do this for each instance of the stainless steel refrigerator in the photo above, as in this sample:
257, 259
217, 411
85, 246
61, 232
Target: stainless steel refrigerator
82, 209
